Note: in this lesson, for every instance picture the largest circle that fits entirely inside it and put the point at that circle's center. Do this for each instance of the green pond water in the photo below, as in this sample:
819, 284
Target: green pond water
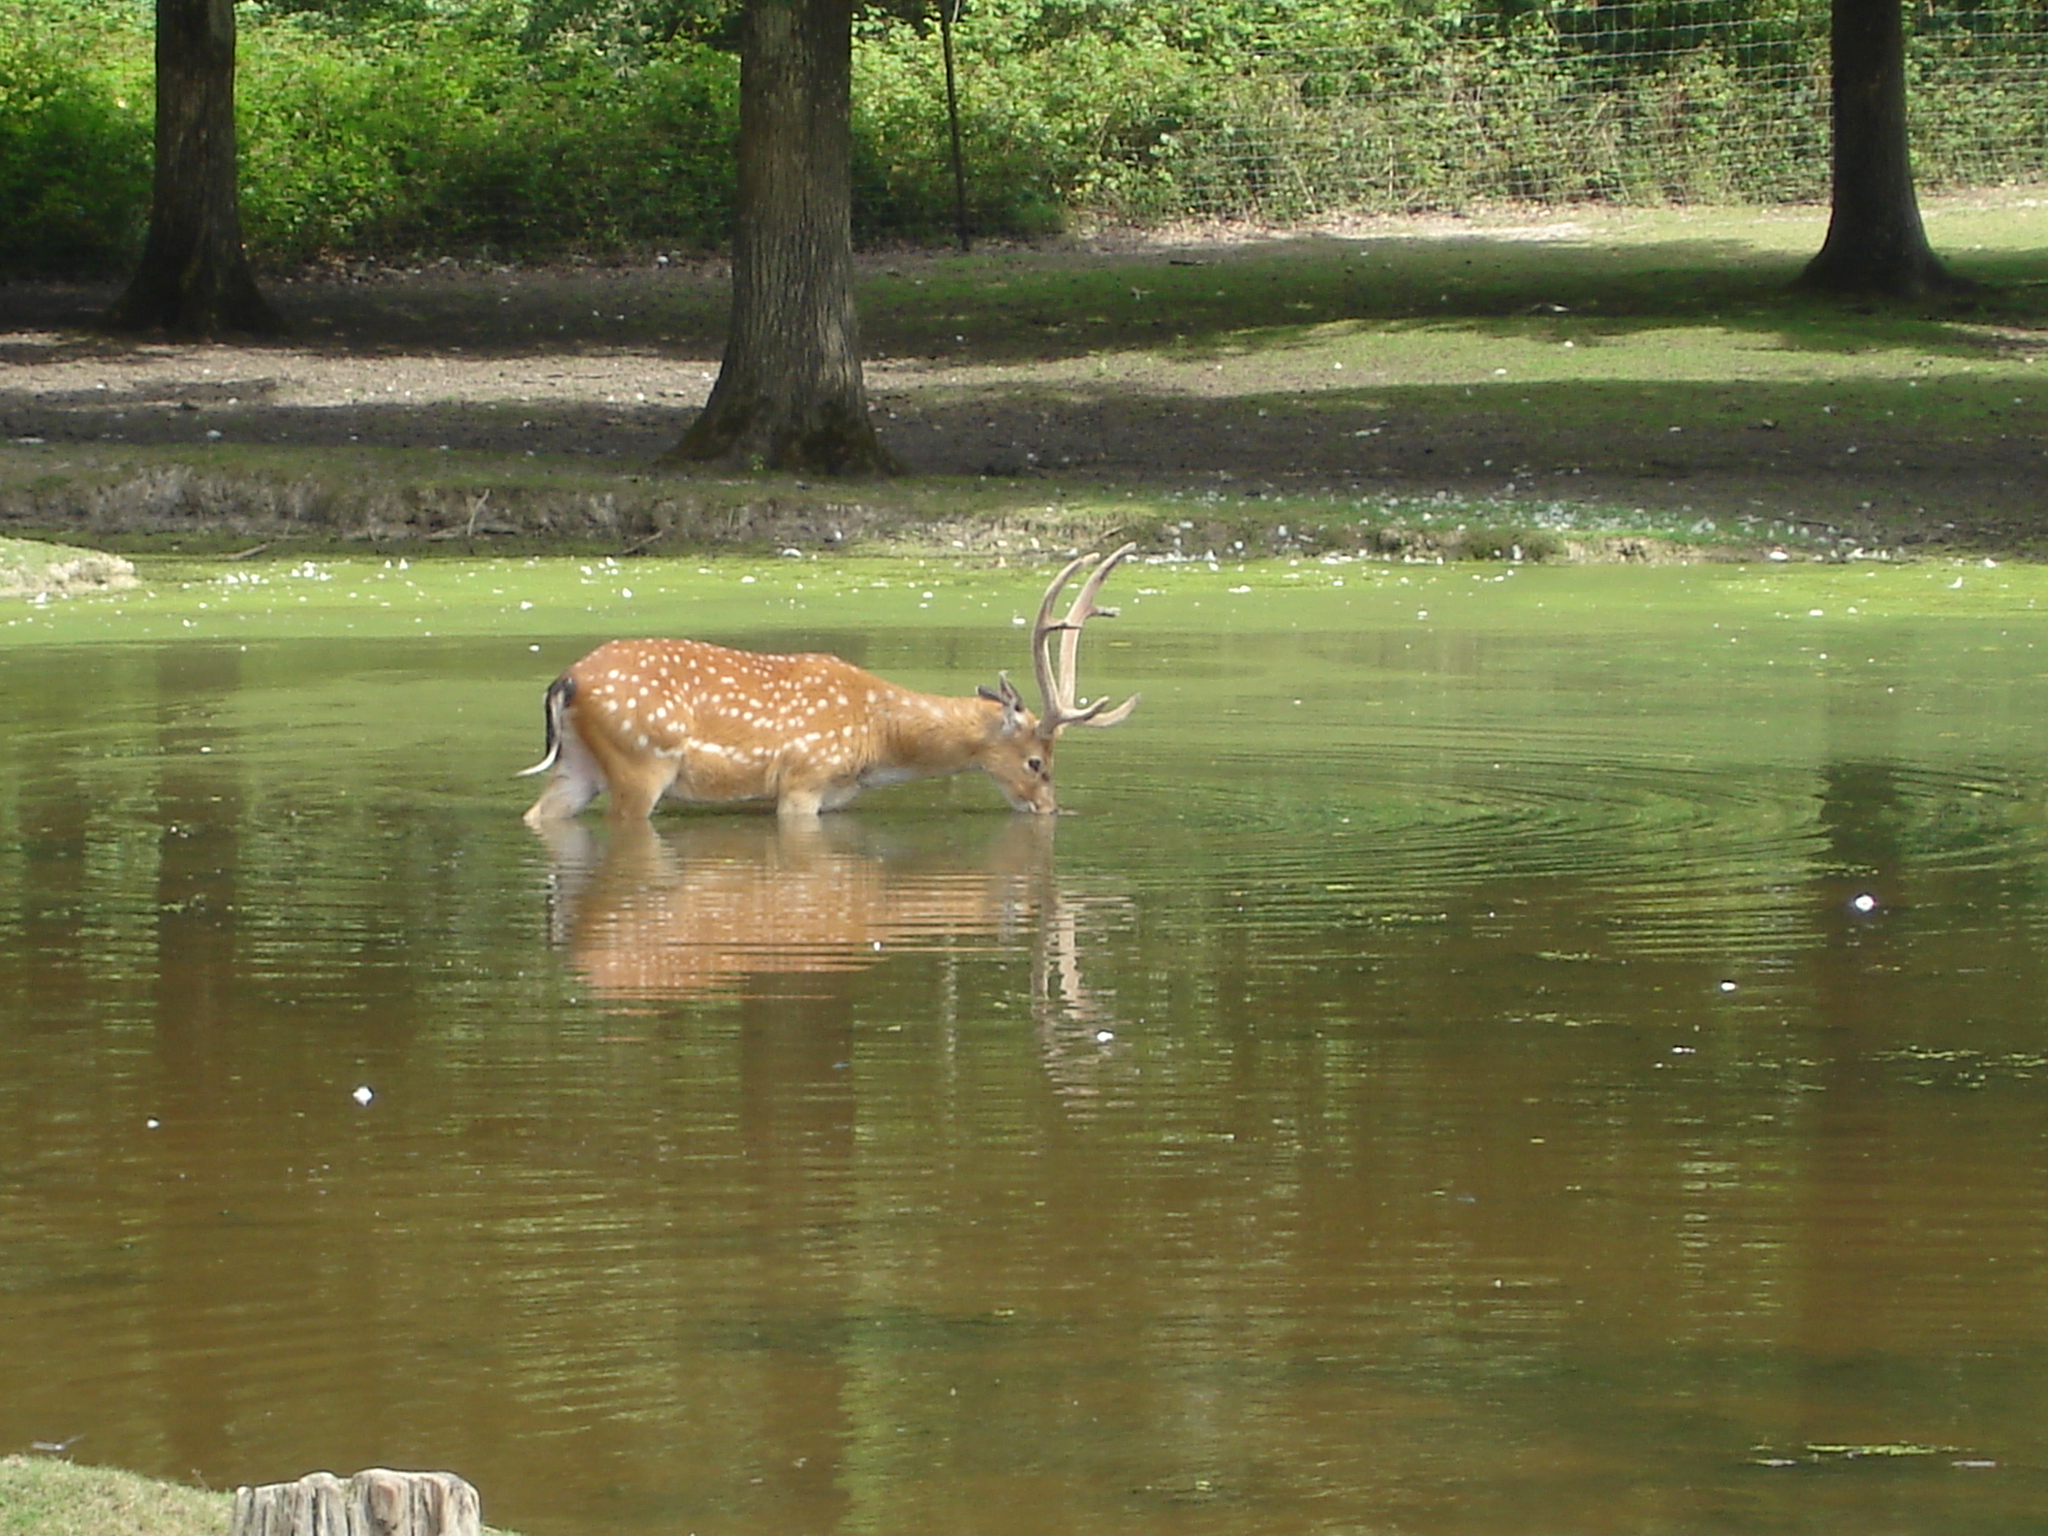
1492, 1050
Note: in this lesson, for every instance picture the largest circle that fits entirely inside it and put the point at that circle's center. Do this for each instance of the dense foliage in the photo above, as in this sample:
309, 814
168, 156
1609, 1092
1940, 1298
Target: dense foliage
536, 127
74, 141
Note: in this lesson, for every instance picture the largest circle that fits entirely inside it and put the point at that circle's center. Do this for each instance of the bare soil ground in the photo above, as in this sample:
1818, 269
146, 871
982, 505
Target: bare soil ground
1066, 367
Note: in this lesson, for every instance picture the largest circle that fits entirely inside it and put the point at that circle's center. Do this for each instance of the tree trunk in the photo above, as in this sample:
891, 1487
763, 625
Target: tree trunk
375, 1502
194, 277
1875, 244
789, 394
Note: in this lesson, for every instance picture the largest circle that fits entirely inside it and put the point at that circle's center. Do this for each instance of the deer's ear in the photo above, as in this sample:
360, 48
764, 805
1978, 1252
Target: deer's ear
1005, 693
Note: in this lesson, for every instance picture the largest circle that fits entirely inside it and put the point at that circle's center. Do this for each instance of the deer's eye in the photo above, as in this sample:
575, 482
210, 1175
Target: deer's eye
1035, 764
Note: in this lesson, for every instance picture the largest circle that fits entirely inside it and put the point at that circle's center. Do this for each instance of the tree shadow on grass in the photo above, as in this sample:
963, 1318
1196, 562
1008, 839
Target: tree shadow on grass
1012, 310
973, 387
1041, 306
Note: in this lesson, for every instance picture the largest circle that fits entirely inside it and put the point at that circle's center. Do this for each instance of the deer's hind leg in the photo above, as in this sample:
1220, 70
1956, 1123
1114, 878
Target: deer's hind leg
634, 781
573, 782
634, 789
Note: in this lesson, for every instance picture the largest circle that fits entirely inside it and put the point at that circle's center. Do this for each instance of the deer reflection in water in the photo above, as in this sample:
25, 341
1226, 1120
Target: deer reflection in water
707, 907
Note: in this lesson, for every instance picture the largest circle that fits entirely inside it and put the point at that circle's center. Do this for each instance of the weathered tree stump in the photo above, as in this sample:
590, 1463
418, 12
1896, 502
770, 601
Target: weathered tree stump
375, 1502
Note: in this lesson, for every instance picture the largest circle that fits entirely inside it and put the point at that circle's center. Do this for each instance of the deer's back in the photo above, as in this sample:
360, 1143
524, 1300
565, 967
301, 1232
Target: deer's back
672, 692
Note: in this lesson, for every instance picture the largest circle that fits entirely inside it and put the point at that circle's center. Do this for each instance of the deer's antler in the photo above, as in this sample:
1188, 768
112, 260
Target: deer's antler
1056, 681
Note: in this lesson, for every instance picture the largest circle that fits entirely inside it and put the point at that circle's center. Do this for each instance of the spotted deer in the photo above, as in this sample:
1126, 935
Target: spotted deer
644, 720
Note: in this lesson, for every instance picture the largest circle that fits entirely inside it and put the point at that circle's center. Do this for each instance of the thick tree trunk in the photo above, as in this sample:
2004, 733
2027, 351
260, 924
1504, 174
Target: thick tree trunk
789, 394
194, 277
1875, 243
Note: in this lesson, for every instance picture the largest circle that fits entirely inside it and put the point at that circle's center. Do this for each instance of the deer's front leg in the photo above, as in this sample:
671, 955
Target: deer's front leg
799, 804
806, 788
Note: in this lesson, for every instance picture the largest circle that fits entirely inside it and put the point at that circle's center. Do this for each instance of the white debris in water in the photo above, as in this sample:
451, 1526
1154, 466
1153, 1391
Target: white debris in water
1863, 902
363, 1095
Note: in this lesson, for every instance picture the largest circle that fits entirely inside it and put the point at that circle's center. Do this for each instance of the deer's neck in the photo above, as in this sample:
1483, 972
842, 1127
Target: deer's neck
927, 734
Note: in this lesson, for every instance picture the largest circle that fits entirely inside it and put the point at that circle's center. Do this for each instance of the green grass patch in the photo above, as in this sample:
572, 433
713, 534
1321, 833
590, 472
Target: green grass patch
1602, 273
551, 605
47, 1496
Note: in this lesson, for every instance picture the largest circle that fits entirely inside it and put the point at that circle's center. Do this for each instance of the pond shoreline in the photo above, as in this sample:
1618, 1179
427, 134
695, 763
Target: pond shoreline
90, 514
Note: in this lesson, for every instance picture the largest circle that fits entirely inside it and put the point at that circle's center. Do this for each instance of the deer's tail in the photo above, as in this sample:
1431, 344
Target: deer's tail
560, 692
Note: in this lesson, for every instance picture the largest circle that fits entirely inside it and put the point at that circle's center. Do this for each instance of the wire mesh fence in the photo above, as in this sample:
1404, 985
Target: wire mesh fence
1620, 100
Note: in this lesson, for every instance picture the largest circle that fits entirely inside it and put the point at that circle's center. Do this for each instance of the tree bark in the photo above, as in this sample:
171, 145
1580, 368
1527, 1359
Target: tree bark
375, 1502
194, 277
1875, 243
789, 394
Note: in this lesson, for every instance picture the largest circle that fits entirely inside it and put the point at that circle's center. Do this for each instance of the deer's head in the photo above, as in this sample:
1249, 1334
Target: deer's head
1018, 751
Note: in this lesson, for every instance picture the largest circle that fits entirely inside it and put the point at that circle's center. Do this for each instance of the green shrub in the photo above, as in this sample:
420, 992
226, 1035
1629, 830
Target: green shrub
433, 140
1083, 121
74, 149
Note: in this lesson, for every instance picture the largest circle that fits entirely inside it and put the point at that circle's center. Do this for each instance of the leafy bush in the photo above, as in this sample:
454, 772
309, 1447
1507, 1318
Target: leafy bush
433, 140
74, 147
1081, 121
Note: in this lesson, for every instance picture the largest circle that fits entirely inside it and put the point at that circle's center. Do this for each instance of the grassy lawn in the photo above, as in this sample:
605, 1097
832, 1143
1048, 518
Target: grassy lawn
1583, 383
